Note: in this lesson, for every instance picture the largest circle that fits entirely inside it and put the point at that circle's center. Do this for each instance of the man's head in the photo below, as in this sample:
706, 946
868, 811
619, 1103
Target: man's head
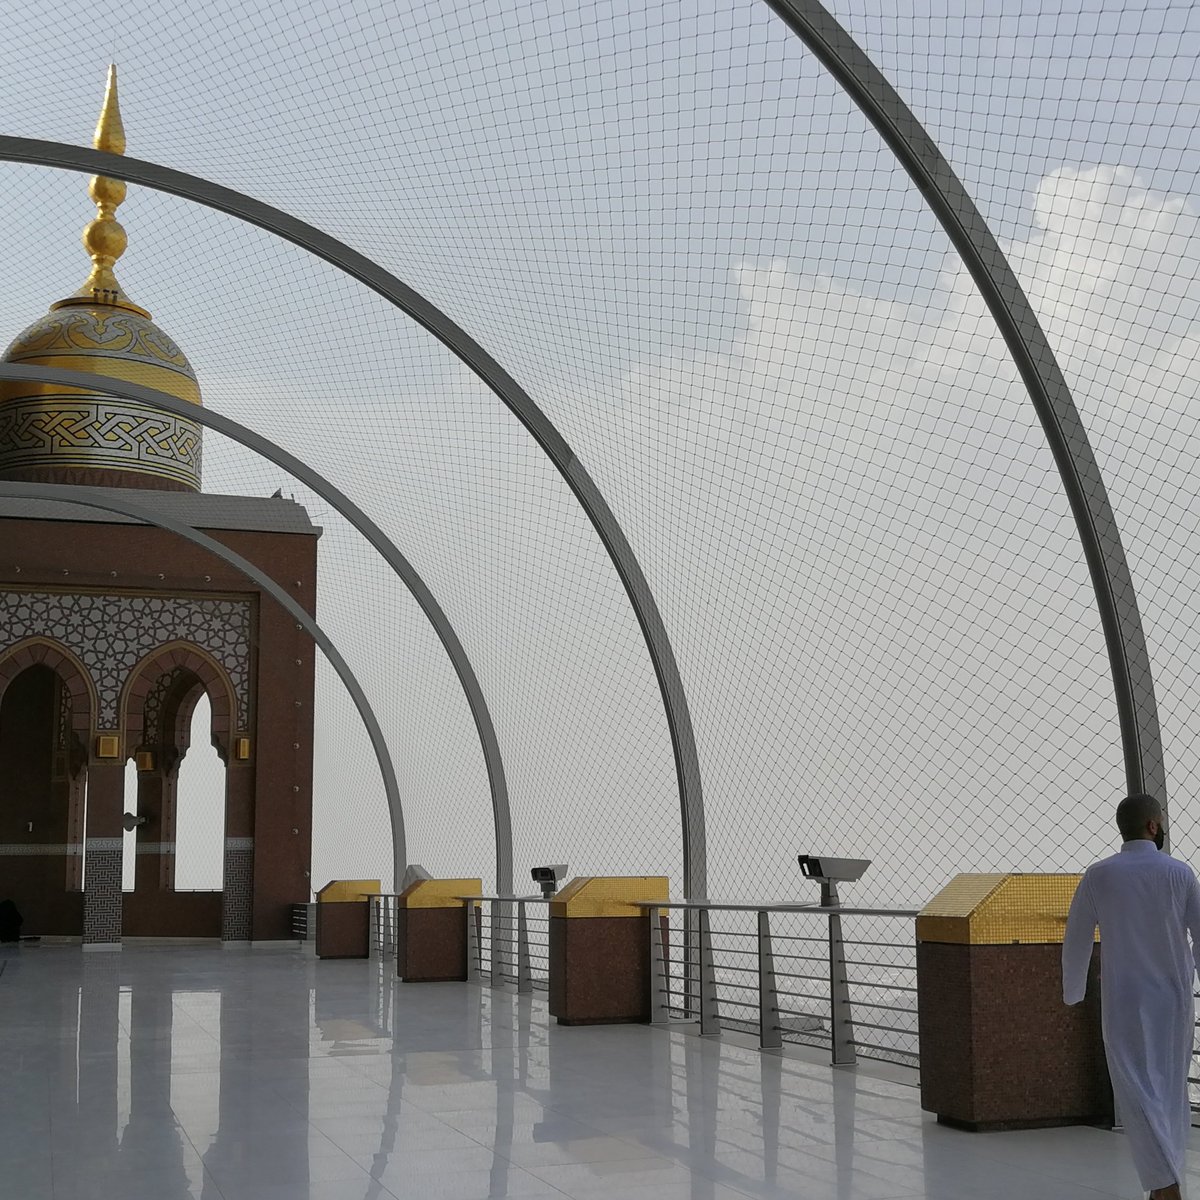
1141, 816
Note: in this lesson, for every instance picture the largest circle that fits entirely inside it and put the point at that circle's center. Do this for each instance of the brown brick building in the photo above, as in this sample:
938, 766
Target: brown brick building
111, 631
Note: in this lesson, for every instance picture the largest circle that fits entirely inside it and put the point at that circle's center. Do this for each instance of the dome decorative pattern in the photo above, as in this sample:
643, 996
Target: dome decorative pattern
114, 333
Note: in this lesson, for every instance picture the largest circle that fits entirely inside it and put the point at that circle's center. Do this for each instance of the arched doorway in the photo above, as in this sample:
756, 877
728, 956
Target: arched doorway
45, 714
166, 694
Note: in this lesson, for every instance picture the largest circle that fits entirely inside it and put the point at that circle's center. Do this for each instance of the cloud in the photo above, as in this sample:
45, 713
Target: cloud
861, 548
876, 587
1112, 272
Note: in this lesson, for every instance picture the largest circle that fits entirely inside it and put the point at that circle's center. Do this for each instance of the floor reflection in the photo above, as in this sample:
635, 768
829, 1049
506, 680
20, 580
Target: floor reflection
154, 1075
170, 1073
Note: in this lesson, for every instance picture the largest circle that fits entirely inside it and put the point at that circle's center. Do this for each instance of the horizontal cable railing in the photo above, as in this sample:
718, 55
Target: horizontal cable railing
382, 926
833, 978
839, 978
303, 922
836, 978
508, 942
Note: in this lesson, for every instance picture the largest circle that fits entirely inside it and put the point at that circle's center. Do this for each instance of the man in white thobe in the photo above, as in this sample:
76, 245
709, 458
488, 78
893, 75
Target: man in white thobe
1146, 904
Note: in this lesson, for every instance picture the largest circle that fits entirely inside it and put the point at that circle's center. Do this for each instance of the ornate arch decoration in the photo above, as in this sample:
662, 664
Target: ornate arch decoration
45, 652
84, 705
211, 677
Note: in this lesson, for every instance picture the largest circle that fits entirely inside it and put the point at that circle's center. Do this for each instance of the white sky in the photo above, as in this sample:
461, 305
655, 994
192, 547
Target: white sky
683, 241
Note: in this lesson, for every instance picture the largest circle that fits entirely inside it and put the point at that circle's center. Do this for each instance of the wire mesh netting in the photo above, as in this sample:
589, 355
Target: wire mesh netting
697, 257
1074, 127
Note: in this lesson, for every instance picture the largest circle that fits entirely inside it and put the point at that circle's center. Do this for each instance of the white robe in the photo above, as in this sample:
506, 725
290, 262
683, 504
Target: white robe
1146, 903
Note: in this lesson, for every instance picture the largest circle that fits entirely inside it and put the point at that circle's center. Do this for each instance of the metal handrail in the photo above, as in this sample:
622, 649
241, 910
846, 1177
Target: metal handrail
718, 992
382, 924
508, 941
783, 907
507, 899
715, 976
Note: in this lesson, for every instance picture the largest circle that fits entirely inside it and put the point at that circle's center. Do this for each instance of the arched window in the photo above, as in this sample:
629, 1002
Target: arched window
200, 809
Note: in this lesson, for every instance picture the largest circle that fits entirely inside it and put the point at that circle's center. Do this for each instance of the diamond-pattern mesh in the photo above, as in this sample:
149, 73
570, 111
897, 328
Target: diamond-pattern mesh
694, 253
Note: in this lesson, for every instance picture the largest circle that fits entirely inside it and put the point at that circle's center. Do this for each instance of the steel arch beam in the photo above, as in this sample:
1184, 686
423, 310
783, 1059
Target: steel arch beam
363, 523
514, 397
115, 501
906, 137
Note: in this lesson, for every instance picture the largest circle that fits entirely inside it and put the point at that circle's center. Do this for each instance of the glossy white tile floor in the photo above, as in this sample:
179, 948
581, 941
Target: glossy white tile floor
164, 1073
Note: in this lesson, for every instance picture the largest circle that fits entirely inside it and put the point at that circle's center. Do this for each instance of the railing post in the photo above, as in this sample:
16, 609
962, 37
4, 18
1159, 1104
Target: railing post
473, 961
497, 958
659, 1009
373, 938
710, 1012
379, 907
379, 940
690, 962
524, 969
770, 1036
841, 1024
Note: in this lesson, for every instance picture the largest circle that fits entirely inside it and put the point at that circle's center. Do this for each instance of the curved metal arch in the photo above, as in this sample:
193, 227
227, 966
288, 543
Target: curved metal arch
111, 500
906, 137
513, 396
363, 523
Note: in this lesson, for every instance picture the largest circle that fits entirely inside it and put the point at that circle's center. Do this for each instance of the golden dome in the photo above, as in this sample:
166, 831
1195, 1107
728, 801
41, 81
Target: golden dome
68, 435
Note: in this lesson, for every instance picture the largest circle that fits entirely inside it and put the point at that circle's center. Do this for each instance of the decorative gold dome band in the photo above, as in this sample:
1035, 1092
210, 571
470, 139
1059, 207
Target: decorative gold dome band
43, 437
55, 434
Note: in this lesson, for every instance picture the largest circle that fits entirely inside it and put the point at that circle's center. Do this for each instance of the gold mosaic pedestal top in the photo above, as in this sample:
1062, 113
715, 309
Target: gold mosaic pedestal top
609, 895
999, 910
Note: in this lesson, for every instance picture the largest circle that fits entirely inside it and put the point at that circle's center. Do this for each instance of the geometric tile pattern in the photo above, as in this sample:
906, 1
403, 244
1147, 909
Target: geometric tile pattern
102, 899
152, 708
112, 634
38, 849
238, 888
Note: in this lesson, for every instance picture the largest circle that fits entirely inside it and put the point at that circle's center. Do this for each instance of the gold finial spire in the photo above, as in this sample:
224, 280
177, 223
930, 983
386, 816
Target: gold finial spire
110, 132
104, 239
